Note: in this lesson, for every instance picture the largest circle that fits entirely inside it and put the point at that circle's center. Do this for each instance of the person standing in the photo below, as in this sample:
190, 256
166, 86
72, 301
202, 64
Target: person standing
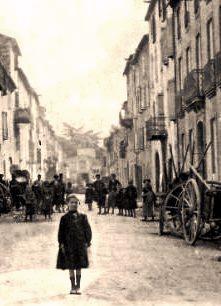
62, 191
148, 200
38, 191
131, 195
57, 196
74, 237
30, 204
114, 183
89, 195
100, 193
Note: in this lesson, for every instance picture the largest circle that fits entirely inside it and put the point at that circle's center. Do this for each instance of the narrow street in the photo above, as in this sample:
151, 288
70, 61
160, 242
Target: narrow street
130, 265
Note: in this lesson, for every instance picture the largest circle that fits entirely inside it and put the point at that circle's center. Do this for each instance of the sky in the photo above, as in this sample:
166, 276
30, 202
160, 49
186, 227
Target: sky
73, 52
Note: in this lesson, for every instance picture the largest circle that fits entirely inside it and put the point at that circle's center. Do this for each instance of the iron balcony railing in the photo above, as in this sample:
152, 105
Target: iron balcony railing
218, 68
209, 78
193, 93
126, 120
156, 128
22, 116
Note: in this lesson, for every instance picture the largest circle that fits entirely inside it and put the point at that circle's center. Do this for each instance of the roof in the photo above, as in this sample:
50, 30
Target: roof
144, 41
24, 78
4, 39
150, 9
128, 63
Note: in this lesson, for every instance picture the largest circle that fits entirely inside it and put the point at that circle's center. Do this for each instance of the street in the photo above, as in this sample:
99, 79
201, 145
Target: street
130, 265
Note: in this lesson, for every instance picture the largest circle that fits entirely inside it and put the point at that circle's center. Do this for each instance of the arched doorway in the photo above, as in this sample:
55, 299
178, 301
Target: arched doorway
157, 172
201, 147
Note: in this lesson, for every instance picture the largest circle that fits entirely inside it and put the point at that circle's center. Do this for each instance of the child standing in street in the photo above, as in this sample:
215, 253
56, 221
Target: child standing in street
89, 196
112, 200
74, 237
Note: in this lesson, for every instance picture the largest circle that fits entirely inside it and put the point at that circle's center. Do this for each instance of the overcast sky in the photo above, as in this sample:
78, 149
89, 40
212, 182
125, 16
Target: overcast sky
74, 51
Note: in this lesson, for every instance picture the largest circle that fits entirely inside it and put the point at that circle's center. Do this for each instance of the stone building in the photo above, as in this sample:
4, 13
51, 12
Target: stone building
197, 42
27, 140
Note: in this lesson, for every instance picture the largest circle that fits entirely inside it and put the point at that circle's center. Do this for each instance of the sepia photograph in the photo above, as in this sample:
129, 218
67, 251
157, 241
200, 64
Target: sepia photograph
110, 153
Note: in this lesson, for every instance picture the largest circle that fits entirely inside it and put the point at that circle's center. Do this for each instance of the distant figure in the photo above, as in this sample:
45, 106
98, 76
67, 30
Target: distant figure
114, 183
30, 204
16, 192
74, 237
100, 192
38, 191
148, 200
62, 188
89, 195
131, 195
112, 200
69, 189
57, 193
47, 205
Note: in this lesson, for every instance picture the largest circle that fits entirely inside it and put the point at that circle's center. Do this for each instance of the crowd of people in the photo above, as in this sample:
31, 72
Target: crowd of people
114, 196
37, 198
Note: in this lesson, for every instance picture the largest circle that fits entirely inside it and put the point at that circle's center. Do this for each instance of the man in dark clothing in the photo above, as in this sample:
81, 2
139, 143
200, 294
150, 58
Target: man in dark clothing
89, 195
57, 193
131, 195
62, 188
16, 192
74, 237
38, 191
114, 183
100, 192
148, 200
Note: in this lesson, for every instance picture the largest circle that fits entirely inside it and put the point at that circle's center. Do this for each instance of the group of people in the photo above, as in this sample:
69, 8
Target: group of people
39, 197
113, 196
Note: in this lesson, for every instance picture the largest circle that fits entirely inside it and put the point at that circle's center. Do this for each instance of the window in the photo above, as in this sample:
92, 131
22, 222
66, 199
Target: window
186, 13
196, 6
164, 10
213, 145
4, 126
210, 41
188, 59
178, 24
16, 99
39, 156
153, 29
180, 73
198, 52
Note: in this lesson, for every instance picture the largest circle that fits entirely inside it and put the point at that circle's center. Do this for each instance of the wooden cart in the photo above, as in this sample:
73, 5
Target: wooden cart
192, 208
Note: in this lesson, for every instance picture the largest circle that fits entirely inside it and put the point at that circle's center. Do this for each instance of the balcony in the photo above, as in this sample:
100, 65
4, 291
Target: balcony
156, 129
218, 68
209, 79
22, 116
193, 90
126, 120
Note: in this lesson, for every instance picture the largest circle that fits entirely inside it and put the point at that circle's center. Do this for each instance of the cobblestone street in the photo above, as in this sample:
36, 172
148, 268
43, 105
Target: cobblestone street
130, 264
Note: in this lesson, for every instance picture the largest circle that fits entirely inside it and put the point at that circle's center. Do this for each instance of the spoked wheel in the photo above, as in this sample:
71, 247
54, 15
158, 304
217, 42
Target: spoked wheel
191, 211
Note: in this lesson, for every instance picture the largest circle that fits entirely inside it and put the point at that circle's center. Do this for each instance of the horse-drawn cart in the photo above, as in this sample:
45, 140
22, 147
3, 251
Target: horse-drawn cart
192, 207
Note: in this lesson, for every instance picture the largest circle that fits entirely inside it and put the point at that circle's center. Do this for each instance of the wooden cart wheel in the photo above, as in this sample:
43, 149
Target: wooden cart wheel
191, 211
